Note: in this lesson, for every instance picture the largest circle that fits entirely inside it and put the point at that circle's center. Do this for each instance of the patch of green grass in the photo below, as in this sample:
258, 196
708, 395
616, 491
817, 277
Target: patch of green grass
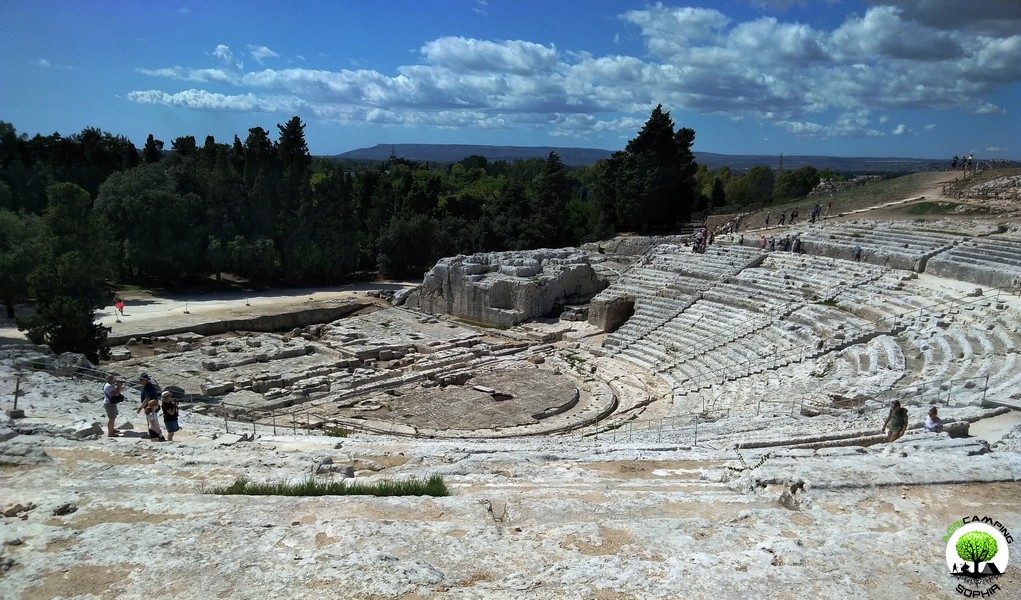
310, 486
338, 432
829, 302
129, 287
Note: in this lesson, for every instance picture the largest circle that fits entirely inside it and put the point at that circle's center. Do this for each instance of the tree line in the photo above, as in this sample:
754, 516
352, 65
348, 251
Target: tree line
79, 213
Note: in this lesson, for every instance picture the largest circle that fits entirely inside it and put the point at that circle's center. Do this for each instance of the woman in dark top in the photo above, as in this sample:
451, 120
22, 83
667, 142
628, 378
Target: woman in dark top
169, 405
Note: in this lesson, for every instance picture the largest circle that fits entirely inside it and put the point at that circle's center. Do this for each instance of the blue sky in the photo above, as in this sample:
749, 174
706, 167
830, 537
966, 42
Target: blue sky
918, 78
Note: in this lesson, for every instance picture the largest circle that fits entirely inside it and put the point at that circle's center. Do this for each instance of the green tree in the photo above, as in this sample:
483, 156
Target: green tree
651, 183
260, 180
258, 261
294, 161
153, 150
185, 145
405, 246
22, 248
718, 196
551, 194
753, 188
976, 546
158, 227
795, 184
70, 284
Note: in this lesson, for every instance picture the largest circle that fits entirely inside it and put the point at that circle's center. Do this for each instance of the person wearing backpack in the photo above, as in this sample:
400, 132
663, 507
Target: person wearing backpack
111, 397
169, 405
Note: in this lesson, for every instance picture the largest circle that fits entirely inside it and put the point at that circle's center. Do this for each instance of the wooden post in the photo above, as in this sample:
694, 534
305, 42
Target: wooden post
226, 425
17, 390
273, 413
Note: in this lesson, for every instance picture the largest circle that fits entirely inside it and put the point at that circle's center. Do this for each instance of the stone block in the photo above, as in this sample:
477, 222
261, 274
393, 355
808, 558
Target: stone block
229, 439
217, 388
120, 354
86, 429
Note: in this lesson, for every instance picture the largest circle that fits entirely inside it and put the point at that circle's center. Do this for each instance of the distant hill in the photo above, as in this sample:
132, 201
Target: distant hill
577, 157
452, 153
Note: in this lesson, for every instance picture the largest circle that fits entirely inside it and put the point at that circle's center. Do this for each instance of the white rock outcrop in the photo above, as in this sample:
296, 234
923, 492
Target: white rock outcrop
506, 288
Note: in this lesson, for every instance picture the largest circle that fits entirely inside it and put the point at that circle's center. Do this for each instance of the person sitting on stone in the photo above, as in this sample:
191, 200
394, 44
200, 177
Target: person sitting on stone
933, 424
896, 421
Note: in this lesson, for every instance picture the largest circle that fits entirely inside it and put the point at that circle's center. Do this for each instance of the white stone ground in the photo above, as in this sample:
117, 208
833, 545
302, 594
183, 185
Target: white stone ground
531, 518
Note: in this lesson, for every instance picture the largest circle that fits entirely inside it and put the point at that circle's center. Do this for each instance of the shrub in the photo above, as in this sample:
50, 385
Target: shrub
310, 486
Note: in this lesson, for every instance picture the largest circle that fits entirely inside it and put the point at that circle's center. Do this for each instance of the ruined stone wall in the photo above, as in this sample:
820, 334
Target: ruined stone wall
506, 288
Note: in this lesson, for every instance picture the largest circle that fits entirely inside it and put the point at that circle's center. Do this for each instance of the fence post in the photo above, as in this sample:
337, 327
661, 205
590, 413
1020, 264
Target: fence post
17, 390
273, 415
226, 424
985, 388
695, 443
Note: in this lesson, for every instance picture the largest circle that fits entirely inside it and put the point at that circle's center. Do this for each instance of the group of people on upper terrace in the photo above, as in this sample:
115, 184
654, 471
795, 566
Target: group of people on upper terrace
813, 216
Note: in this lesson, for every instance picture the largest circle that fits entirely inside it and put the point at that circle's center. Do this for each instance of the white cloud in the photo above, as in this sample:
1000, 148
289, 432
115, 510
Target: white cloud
466, 55
807, 80
224, 54
261, 53
42, 62
200, 75
203, 100
996, 149
802, 127
988, 108
930, 126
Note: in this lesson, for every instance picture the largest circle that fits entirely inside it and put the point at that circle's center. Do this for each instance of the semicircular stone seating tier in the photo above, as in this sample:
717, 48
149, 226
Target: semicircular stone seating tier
743, 328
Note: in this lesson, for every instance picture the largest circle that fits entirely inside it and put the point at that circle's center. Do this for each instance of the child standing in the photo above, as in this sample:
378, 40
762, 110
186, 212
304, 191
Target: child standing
155, 434
169, 414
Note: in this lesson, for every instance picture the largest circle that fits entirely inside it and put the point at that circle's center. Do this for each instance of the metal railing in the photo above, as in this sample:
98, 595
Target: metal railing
292, 419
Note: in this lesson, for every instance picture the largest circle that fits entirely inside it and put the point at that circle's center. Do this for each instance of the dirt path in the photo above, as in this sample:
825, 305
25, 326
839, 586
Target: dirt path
145, 311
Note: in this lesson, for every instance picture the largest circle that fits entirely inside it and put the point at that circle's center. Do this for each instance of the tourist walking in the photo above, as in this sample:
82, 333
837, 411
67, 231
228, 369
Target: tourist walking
896, 421
169, 406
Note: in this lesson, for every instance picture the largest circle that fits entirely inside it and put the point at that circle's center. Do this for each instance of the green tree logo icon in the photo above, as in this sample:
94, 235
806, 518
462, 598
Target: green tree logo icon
976, 546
